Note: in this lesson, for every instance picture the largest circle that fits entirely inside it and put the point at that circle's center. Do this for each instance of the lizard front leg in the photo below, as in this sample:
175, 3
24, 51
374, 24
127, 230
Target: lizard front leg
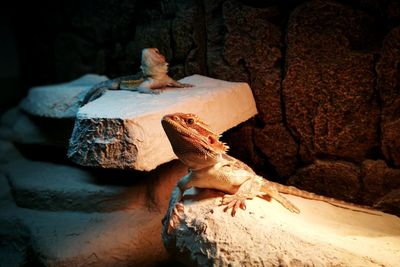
172, 83
247, 190
255, 186
176, 208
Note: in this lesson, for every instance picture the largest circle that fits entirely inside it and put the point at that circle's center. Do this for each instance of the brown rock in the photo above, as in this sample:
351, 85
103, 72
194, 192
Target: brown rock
393, 10
389, 89
252, 50
339, 179
378, 180
183, 26
278, 145
214, 34
329, 87
390, 202
244, 45
240, 142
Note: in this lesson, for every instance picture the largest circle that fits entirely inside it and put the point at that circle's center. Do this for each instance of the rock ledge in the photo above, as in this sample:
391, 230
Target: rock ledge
268, 235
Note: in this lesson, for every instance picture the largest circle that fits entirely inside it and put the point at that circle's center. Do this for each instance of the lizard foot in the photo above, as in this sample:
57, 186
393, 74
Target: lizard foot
175, 217
187, 85
233, 202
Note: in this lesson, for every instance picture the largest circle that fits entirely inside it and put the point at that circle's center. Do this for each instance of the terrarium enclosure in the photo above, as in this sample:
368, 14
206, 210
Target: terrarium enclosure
325, 76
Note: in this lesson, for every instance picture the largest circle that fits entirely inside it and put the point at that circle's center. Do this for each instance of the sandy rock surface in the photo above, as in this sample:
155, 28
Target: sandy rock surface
266, 234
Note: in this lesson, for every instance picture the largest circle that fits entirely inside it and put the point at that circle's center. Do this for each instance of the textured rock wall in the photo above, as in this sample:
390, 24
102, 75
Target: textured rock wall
325, 76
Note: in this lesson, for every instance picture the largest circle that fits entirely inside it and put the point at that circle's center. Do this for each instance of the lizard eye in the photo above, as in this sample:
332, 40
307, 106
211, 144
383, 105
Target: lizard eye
156, 50
190, 121
211, 139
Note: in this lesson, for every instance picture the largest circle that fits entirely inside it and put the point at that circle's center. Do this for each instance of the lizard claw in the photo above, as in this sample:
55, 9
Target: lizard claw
175, 217
233, 202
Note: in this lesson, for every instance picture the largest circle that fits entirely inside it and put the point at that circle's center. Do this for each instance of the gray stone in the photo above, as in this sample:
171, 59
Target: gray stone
126, 238
14, 234
8, 152
266, 234
18, 127
5, 191
48, 186
122, 129
14, 237
59, 100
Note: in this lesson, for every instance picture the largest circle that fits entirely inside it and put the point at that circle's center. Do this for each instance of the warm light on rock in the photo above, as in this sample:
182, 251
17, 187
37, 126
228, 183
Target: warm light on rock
266, 234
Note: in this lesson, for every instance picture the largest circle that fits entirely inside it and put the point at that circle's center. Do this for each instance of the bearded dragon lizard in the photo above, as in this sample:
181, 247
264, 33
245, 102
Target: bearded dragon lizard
199, 148
154, 78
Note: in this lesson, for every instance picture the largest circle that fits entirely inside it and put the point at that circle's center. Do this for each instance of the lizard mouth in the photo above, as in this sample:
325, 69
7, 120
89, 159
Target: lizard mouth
168, 122
176, 129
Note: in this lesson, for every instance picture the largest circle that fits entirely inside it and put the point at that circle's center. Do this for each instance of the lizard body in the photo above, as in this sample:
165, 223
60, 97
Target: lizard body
199, 148
152, 79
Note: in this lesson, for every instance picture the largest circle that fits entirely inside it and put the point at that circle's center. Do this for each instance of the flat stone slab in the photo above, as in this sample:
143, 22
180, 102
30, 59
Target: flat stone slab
122, 129
48, 186
5, 191
21, 128
8, 152
125, 238
86, 237
14, 237
266, 234
59, 100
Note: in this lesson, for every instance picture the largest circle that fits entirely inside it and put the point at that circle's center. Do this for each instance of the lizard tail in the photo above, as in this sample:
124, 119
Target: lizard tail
273, 192
291, 190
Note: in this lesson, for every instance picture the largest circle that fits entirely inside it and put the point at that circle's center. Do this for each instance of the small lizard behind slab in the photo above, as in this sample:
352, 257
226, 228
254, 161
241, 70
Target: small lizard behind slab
153, 79
199, 148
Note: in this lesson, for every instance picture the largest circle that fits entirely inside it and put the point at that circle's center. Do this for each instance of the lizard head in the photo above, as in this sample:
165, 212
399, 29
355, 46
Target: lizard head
152, 56
195, 144
153, 63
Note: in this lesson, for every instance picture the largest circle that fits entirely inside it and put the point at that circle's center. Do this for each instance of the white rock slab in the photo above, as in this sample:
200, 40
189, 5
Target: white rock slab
128, 238
59, 100
266, 234
122, 129
48, 186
